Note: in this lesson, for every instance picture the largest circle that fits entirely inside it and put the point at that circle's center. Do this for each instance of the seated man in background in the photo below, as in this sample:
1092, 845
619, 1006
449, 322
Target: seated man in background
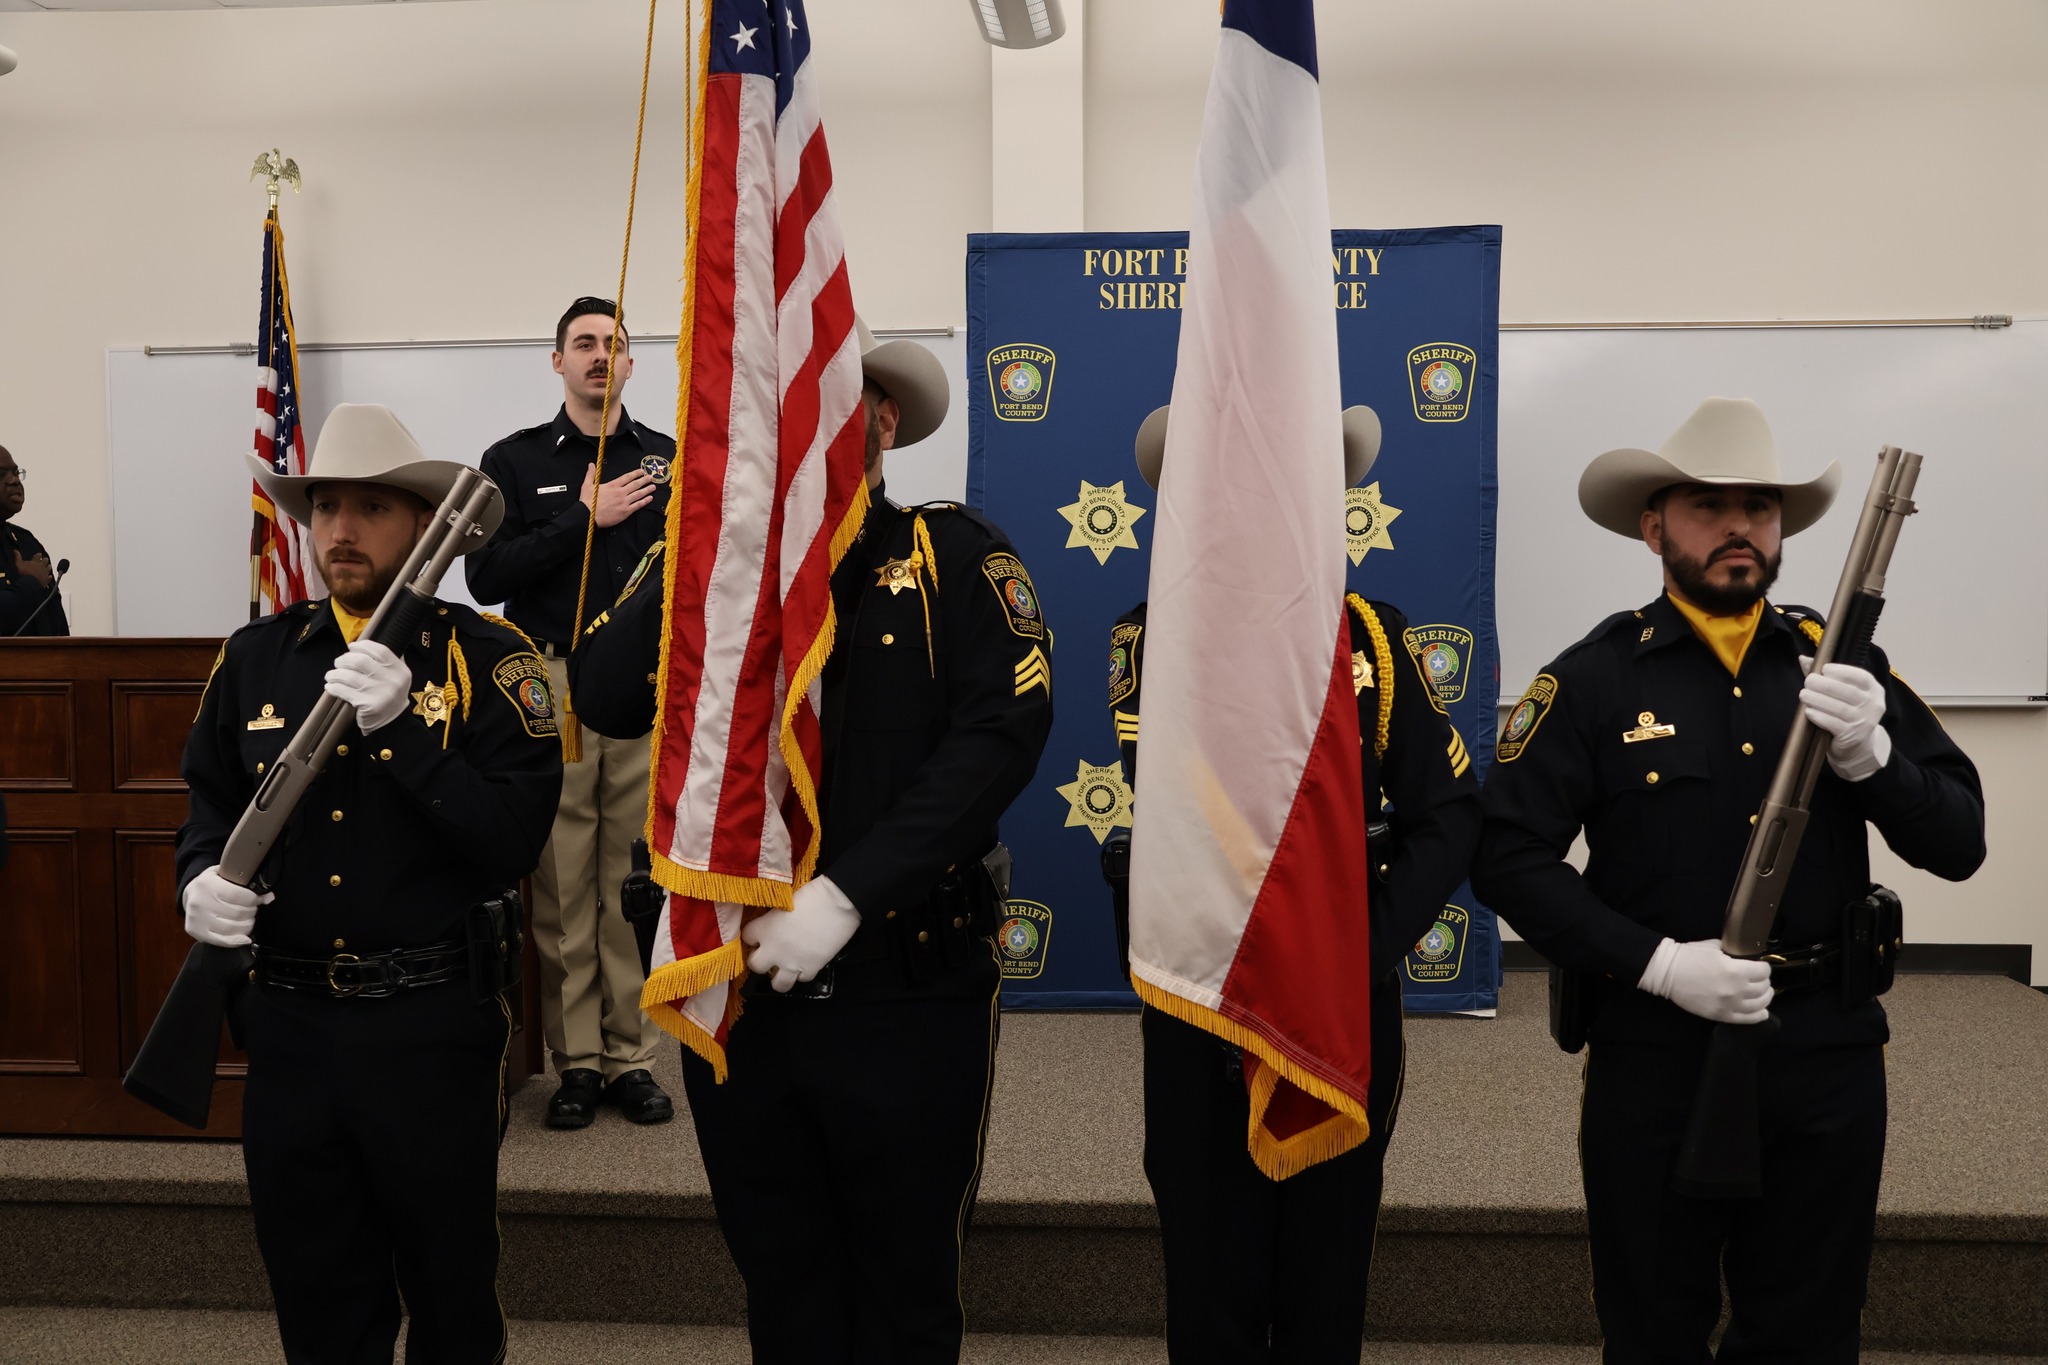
29, 600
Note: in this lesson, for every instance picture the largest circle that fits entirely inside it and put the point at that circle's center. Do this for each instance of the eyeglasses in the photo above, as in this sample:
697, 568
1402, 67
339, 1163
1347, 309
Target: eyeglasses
19, 473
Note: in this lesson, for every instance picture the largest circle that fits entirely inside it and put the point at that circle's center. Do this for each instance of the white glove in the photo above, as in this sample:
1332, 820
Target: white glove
1848, 703
794, 945
1701, 979
219, 912
374, 681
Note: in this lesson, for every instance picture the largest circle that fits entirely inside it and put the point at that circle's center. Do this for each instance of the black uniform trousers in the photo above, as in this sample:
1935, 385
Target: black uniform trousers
370, 1132
844, 1151
1795, 1259
1260, 1271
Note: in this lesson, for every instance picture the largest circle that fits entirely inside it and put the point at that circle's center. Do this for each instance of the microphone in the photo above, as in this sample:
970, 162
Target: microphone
63, 567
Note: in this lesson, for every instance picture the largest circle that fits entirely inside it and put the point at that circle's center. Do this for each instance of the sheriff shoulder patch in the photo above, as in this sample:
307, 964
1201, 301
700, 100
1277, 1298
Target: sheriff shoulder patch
1527, 715
1123, 661
647, 561
1013, 588
523, 678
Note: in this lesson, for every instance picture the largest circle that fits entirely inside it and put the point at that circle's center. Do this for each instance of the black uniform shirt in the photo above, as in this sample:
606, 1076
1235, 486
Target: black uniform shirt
534, 560
928, 737
1639, 736
20, 594
1425, 775
404, 829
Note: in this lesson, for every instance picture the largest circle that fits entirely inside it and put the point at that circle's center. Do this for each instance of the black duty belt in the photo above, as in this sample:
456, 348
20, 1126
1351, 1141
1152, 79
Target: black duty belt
1814, 967
370, 975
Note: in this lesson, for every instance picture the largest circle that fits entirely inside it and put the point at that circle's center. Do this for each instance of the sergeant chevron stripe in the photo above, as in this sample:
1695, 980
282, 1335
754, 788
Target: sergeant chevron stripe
1126, 727
1033, 671
1460, 758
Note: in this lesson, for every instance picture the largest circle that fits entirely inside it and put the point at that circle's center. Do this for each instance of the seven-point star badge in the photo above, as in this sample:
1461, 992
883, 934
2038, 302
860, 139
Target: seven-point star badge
1098, 798
1102, 520
1366, 519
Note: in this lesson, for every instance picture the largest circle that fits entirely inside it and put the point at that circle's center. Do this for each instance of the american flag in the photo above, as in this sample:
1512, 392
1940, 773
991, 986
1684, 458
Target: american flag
277, 550
769, 494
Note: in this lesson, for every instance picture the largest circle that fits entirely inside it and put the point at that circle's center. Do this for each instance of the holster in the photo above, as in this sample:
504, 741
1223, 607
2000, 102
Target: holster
1873, 932
945, 932
1116, 874
496, 935
1570, 1007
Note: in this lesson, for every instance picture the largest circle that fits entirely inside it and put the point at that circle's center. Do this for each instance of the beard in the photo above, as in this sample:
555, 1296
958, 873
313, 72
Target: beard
361, 584
1732, 599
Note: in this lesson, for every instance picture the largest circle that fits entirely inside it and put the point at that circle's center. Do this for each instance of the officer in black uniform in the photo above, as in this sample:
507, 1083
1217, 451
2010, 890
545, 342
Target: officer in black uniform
1657, 735
844, 1147
1257, 1268
29, 600
599, 1040
375, 1019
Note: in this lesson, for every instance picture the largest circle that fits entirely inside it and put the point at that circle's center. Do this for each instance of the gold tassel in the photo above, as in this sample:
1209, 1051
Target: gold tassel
1383, 660
572, 732
925, 559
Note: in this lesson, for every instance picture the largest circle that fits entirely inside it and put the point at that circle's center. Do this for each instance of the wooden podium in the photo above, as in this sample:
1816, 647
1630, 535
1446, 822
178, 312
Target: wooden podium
91, 734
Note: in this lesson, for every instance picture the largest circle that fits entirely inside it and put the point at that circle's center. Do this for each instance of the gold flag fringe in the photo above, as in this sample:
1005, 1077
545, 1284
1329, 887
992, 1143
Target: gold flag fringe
1275, 1157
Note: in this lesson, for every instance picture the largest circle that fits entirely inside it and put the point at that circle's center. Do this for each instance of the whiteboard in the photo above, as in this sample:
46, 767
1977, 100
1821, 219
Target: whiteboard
179, 424
1966, 612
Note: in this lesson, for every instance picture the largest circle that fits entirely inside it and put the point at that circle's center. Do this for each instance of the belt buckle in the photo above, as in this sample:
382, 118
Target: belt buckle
342, 960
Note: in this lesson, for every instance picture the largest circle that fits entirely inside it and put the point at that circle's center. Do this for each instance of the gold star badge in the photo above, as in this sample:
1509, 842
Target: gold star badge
896, 575
433, 703
1366, 520
1098, 798
1361, 672
1102, 520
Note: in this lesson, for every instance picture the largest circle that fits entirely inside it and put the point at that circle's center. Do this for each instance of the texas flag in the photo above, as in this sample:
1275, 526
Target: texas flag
1248, 857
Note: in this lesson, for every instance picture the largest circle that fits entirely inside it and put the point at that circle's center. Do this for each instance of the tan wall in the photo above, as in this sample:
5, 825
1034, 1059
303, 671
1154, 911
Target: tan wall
467, 169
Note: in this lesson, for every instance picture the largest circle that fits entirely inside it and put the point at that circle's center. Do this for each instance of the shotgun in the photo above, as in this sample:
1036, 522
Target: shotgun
1721, 1156
173, 1071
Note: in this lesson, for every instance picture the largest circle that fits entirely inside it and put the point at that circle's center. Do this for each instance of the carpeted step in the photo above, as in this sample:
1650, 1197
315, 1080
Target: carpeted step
82, 1336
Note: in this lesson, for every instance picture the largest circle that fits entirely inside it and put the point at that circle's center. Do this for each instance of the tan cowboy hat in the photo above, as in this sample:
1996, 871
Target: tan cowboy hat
1726, 440
911, 375
366, 443
1361, 444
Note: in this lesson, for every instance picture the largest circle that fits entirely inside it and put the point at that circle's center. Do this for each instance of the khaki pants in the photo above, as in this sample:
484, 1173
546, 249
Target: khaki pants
590, 962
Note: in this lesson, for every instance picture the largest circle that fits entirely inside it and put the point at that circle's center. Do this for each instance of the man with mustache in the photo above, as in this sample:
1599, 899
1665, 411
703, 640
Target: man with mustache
591, 974
1657, 736
375, 1016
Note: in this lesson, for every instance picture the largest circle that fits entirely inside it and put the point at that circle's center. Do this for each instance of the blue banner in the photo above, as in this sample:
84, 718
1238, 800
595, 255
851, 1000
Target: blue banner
1071, 340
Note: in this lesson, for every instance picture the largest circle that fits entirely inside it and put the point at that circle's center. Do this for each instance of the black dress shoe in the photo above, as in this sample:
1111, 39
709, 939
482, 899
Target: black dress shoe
639, 1098
575, 1104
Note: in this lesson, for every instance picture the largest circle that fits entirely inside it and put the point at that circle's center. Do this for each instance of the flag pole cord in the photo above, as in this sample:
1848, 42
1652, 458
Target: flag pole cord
572, 729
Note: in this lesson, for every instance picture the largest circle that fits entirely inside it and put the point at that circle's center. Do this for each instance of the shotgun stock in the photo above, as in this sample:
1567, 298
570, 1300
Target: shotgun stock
173, 1070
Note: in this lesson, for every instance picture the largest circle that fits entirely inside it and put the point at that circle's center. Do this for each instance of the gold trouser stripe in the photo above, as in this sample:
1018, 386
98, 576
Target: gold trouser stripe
995, 1000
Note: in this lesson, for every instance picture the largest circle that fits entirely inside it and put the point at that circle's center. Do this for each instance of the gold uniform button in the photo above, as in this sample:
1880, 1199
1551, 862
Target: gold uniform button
341, 751
1752, 819
259, 767
924, 936
1738, 691
890, 915
341, 943
888, 639
959, 922
384, 754
1748, 748
1651, 779
335, 880
335, 816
